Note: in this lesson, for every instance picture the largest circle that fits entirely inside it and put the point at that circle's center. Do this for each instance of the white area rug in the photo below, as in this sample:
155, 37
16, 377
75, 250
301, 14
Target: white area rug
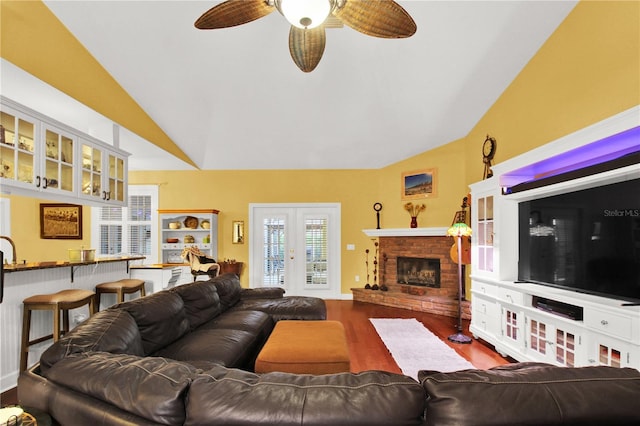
414, 348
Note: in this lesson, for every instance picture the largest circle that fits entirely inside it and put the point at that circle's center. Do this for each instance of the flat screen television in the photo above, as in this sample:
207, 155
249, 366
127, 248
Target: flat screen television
586, 241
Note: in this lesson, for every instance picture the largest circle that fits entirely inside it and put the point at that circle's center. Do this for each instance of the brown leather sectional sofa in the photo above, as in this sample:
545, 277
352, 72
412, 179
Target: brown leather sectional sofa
185, 355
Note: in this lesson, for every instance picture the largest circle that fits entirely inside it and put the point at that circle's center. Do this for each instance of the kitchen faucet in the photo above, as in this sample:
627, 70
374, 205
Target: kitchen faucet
13, 246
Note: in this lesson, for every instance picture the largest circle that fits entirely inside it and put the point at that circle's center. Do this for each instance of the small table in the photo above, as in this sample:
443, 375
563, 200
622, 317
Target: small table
305, 347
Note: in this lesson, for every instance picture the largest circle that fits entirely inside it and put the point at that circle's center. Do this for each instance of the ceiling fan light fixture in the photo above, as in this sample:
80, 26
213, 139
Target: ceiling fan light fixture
305, 14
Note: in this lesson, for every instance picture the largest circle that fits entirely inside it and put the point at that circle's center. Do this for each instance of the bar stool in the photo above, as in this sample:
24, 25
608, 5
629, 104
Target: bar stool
120, 288
61, 301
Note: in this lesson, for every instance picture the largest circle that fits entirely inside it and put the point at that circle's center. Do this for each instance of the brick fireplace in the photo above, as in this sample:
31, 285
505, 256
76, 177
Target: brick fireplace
426, 245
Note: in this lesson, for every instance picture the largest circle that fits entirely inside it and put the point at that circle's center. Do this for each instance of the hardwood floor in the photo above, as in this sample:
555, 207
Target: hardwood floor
367, 350
369, 353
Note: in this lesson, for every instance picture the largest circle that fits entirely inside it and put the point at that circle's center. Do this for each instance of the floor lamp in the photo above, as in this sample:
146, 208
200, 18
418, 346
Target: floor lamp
459, 230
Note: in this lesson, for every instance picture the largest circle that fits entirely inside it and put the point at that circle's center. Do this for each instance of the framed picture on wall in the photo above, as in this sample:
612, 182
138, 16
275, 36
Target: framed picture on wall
61, 221
419, 184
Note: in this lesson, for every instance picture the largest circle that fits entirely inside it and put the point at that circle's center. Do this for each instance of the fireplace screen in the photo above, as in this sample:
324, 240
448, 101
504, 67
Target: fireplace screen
418, 271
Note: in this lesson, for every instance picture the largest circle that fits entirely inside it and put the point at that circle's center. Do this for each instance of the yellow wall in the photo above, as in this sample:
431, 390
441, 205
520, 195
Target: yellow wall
25, 232
587, 71
232, 191
32, 38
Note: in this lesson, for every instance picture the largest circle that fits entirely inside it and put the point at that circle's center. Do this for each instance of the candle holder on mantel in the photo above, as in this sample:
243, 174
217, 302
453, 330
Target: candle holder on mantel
414, 210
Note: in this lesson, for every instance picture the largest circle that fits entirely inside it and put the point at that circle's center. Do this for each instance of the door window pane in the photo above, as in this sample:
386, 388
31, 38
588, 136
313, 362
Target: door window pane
316, 251
273, 251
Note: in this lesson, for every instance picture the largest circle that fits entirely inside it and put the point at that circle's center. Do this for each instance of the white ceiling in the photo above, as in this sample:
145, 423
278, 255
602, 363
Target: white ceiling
234, 99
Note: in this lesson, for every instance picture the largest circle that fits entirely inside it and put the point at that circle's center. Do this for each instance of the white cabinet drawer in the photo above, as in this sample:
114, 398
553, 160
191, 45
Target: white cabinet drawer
510, 296
609, 323
486, 324
483, 306
485, 289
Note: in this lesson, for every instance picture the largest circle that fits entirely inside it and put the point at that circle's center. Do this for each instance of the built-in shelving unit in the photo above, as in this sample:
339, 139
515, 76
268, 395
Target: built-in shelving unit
188, 228
532, 322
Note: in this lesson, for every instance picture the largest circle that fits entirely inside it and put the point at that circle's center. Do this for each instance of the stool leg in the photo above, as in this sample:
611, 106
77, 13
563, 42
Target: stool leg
26, 326
56, 323
97, 307
142, 291
120, 295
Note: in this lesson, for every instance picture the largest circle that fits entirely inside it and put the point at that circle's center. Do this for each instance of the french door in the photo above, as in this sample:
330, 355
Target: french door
296, 247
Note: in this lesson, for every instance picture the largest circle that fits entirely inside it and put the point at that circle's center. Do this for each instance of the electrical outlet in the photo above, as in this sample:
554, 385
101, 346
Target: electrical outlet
357, 278
351, 246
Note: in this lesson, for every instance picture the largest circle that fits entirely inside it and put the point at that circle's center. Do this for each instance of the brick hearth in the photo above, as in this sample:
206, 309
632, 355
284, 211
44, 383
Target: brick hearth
441, 301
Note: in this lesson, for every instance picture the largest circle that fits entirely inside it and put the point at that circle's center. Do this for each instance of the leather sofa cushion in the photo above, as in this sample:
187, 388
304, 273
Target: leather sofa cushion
112, 330
152, 388
255, 322
161, 319
242, 398
263, 293
231, 348
229, 289
290, 307
543, 394
201, 302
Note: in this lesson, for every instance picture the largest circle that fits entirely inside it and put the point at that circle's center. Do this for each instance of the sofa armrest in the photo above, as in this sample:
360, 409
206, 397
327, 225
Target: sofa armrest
152, 388
262, 293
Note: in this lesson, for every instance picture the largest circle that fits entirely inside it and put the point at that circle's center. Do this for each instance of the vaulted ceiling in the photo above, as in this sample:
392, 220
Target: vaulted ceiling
234, 99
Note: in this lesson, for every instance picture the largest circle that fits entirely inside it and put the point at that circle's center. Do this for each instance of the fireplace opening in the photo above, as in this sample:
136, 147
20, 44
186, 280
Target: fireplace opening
418, 271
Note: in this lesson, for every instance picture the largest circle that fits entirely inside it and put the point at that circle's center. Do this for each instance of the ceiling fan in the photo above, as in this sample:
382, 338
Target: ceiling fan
377, 18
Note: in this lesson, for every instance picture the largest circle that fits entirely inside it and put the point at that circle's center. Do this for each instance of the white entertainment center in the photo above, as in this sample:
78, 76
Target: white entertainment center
512, 316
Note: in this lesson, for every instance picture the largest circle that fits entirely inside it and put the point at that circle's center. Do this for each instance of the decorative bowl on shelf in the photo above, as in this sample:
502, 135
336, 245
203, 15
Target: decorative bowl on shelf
172, 240
205, 224
191, 222
174, 225
188, 239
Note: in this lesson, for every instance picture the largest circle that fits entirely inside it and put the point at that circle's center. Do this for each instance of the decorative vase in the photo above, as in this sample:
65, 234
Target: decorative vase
414, 221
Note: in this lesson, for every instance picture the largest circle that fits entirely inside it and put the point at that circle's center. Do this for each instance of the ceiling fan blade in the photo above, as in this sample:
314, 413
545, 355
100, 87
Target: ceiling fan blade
307, 46
233, 12
377, 18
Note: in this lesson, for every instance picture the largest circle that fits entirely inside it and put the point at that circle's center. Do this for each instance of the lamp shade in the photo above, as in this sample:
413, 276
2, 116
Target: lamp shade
459, 229
305, 13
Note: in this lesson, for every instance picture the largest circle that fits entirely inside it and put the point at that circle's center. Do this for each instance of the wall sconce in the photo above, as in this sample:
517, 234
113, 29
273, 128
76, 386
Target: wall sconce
238, 232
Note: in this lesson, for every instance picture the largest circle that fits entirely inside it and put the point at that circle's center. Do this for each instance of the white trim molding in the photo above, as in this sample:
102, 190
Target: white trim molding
406, 232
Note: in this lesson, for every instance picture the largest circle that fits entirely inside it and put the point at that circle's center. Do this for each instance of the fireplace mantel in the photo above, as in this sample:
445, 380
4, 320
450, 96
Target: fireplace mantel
406, 232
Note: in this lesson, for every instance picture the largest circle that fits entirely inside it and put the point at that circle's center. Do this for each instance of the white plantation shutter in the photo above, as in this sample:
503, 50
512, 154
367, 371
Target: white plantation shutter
128, 230
316, 251
140, 214
274, 250
110, 231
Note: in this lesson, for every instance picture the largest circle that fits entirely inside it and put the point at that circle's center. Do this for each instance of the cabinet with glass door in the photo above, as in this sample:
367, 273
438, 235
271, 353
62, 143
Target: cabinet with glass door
484, 219
38, 154
19, 162
102, 175
58, 160
553, 340
35, 155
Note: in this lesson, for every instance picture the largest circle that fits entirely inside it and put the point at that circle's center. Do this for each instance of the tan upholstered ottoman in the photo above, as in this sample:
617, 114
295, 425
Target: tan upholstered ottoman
305, 347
